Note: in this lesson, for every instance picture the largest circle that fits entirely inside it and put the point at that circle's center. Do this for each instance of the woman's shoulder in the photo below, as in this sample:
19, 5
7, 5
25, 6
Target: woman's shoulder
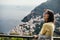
48, 24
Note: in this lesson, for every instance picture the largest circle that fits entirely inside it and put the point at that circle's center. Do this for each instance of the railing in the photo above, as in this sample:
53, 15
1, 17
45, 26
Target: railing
17, 36
23, 37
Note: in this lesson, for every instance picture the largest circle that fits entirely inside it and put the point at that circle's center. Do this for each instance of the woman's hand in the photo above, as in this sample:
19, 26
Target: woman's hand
35, 36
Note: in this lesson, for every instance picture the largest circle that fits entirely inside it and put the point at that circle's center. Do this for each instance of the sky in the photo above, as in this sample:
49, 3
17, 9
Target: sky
24, 6
21, 2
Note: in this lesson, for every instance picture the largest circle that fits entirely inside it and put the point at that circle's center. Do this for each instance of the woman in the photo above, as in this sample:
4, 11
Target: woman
48, 27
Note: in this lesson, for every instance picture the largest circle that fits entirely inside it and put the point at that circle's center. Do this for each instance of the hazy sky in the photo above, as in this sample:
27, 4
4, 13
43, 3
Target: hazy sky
8, 11
21, 2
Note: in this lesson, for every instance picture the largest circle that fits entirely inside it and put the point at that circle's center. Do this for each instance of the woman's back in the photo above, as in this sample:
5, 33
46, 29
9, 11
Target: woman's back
47, 30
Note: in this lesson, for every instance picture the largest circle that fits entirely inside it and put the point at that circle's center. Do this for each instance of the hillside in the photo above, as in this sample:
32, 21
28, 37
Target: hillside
38, 11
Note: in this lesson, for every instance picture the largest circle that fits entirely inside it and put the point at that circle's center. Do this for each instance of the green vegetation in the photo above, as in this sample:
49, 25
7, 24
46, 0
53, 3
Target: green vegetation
6, 38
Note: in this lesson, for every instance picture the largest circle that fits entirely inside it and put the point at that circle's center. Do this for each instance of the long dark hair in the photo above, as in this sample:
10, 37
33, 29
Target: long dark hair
51, 15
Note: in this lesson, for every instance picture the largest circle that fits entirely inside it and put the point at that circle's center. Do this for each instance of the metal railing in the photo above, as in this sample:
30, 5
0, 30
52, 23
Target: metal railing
16, 36
22, 37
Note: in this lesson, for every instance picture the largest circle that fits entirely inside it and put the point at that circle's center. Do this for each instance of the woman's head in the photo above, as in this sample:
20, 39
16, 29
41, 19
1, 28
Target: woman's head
48, 15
